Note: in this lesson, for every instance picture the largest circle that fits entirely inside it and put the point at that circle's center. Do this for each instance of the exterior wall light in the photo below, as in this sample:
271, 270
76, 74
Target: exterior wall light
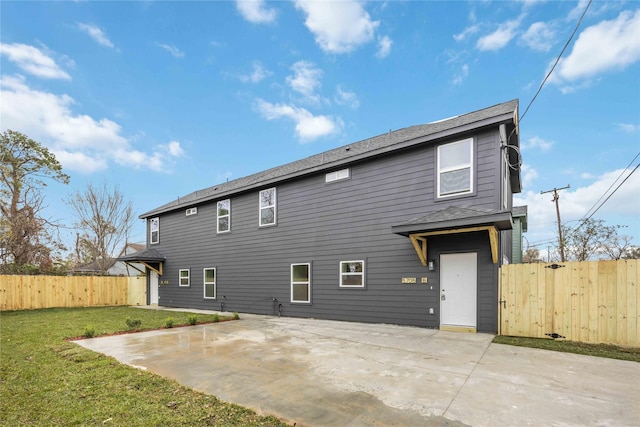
432, 264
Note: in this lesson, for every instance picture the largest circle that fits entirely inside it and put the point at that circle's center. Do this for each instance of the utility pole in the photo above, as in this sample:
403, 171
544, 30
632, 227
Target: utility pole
555, 199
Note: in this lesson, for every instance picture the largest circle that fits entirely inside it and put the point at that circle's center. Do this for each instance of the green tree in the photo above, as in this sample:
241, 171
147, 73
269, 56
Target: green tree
25, 236
105, 220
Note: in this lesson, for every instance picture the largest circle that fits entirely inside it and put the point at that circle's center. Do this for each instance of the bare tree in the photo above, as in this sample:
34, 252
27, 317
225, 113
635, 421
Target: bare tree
105, 220
616, 245
632, 252
593, 239
531, 255
25, 235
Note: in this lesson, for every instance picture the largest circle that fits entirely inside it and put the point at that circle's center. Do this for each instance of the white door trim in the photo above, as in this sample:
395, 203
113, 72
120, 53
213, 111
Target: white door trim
153, 288
459, 291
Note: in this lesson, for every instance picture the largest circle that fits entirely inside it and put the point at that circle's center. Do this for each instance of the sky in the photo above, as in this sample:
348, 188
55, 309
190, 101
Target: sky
165, 98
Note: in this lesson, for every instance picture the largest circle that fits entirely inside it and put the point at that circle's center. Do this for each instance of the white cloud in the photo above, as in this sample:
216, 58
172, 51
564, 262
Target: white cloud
96, 34
338, 26
258, 74
177, 53
539, 36
174, 149
345, 97
623, 208
500, 37
628, 127
466, 33
538, 143
80, 142
305, 80
308, 127
80, 162
609, 45
529, 175
33, 61
256, 11
461, 75
384, 47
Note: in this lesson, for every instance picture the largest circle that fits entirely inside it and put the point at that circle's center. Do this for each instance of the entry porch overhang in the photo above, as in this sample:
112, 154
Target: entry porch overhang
454, 220
150, 258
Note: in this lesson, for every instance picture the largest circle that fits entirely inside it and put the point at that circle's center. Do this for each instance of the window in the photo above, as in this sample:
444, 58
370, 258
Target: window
300, 282
192, 211
183, 279
224, 216
154, 230
337, 175
209, 282
268, 207
455, 168
352, 274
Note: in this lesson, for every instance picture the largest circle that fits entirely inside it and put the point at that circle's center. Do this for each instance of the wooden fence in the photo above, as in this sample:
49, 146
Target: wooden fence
31, 292
593, 302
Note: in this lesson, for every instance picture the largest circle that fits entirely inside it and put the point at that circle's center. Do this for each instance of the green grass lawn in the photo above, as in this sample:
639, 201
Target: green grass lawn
599, 350
47, 380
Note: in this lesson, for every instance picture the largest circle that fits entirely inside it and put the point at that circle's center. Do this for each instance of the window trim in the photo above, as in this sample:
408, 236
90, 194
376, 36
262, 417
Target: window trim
329, 177
205, 283
362, 274
307, 282
470, 166
274, 206
156, 221
188, 277
191, 211
218, 216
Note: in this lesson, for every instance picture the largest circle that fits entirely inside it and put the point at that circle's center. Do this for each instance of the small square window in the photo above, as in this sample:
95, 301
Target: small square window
184, 277
352, 274
337, 175
209, 281
192, 211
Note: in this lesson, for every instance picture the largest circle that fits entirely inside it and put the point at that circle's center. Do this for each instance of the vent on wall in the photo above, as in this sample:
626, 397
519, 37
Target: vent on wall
192, 211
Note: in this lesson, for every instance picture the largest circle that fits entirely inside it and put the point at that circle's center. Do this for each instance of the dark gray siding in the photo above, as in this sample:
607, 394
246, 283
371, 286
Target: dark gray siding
323, 224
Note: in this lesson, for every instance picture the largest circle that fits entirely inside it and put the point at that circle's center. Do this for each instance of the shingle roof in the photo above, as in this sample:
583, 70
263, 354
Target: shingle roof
147, 255
393, 140
455, 217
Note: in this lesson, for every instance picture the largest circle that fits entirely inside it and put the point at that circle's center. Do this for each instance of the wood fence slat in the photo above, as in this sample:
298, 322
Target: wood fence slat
595, 302
33, 292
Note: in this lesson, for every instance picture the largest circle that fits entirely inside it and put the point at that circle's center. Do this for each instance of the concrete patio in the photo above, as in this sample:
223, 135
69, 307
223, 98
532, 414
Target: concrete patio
326, 373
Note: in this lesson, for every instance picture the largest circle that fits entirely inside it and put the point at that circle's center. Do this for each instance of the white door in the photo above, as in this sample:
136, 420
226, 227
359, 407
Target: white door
458, 289
153, 287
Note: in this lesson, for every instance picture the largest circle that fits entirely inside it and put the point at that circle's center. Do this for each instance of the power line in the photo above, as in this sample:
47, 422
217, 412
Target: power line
575, 30
613, 183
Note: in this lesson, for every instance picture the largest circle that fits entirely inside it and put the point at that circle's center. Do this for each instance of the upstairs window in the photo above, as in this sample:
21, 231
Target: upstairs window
192, 211
337, 175
154, 230
268, 207
455, 168
224, 216
352, 274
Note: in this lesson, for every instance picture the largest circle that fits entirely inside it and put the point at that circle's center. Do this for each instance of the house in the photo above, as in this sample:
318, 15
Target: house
408, 227
113, 266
